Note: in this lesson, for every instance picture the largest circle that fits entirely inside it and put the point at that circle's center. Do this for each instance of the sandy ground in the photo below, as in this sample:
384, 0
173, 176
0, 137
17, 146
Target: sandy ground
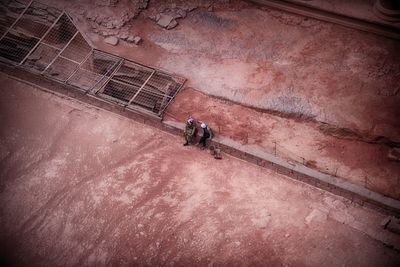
85, 187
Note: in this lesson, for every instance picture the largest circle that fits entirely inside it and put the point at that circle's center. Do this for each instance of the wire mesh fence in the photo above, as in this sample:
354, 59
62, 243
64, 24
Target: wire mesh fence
9, 13
46, 41
93, 71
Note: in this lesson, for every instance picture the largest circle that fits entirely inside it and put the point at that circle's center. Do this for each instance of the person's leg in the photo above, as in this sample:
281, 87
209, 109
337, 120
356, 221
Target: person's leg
205, 140
187, 140
190, 139
205, 137
202, 141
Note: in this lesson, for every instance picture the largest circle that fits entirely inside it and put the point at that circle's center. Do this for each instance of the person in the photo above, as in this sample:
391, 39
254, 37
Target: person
207, 133
189, 131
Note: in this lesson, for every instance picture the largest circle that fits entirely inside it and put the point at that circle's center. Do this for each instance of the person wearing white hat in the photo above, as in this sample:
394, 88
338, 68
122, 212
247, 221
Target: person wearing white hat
189, 131
207, 133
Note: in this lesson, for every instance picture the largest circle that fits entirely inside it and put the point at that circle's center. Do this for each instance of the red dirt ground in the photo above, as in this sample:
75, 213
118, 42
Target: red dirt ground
362, 163
84, 187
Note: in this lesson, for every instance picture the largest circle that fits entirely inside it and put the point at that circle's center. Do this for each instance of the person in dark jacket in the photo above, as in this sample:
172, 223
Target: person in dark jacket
207, 134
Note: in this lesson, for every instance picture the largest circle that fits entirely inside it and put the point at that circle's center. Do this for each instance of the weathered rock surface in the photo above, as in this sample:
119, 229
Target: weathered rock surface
391, 223
172, 25
394, 154
124, 36
365, 136
110, 3
136, 40
335, 203
394, 225
133, 39
167, 14
112, 40
164, 20
317, 215
113, 14
262, 219
385, 222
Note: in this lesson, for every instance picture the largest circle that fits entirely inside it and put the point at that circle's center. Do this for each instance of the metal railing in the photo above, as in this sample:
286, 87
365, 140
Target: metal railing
45, 40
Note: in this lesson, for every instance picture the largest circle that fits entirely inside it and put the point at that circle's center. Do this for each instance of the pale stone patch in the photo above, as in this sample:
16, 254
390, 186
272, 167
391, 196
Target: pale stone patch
317, 215
53, 167
262, 219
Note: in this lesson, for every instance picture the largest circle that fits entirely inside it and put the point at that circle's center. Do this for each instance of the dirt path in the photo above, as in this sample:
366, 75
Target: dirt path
81, 186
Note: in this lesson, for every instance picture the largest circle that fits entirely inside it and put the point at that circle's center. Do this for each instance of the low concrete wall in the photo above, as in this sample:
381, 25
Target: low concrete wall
335, 185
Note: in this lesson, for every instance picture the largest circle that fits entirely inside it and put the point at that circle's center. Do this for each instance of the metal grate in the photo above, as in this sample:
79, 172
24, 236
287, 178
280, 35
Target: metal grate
126, 81
9, 13
135, 85
93, 72
46, 41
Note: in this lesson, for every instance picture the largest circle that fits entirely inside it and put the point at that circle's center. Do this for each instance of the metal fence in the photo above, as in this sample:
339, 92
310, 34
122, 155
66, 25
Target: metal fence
45, 40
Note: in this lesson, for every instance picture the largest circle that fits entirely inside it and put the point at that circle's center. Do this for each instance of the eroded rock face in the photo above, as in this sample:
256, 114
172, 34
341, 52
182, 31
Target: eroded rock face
110, 18
166, 15
111, 3
317, 215
113, 14
261, 219
391, 223
111, 40
136, 40
394, 154
166, 21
